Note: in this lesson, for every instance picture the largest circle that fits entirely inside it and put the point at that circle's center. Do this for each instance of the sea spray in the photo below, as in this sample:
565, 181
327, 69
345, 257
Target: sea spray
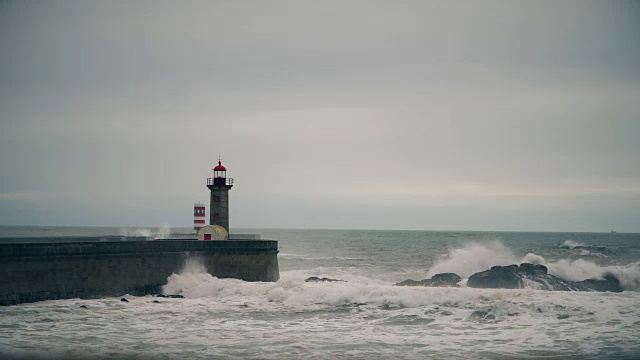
191, 281
578, 270
163, 232
135, 233
473, 257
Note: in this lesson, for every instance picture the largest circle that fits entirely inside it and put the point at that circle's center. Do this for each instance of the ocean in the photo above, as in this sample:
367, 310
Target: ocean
363, 316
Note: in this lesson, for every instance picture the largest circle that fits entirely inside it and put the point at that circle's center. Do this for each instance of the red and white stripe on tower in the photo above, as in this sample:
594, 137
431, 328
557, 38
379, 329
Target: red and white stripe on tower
198, 216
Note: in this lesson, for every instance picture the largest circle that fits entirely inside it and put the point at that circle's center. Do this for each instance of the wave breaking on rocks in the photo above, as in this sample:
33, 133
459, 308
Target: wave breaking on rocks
521, 276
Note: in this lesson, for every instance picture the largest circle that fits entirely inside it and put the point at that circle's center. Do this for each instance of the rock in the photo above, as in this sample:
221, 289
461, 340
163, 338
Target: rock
169, 296
498, 277
156, 301
445, 279
84, 306
317, 279
124, 300
609, 283
437, 280
532, 269
410, 282
536, 276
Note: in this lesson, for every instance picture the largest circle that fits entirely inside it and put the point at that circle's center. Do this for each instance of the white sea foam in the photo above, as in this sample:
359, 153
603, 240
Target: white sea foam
291, 291
293, 319
570, 244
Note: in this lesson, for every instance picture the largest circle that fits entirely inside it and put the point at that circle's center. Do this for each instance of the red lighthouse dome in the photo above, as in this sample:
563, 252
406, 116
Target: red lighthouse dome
219, 167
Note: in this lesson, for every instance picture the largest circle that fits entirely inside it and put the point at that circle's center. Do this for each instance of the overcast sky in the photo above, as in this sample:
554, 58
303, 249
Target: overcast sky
478, 115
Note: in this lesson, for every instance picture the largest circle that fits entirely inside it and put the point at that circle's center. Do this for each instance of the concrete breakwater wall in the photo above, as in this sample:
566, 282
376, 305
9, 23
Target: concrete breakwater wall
46, 271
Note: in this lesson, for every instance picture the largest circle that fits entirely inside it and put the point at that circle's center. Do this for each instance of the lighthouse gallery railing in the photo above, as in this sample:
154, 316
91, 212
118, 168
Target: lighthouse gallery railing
217, 181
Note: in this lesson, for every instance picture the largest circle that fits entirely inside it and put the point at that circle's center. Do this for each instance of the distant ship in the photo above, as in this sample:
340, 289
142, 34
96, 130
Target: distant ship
614, 232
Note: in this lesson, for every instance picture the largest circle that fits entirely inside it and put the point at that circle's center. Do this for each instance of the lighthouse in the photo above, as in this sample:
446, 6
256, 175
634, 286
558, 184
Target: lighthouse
219, 186
198, 216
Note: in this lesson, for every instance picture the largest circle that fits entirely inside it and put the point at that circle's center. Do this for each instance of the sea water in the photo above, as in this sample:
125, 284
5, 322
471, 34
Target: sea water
362, 316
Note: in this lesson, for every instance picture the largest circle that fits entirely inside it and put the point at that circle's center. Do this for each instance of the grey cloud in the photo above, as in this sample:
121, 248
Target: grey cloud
319, 107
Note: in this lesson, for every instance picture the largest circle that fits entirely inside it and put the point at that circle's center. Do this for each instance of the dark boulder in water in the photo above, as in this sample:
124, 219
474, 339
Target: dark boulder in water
532, 269
499, 277
609, 283
169, 296
437, 280
445, 279
536, 276
124, 300
317, 279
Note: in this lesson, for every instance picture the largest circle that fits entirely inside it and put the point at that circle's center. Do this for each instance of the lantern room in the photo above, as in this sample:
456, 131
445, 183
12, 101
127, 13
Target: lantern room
220, 177
219, 172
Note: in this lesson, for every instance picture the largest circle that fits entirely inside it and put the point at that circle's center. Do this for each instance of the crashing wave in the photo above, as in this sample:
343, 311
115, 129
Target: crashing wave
474, 257
569, 244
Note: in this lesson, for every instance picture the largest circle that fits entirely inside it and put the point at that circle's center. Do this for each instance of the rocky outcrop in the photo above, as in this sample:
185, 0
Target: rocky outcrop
500, 277
517, 277
536, 276
438, 280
